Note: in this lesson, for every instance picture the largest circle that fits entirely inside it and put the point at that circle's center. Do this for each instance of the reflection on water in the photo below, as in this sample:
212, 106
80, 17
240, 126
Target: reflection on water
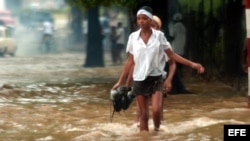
45, 106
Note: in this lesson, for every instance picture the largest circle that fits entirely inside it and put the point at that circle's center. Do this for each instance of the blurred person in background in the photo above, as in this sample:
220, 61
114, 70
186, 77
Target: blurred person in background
178, 33
48, 30
113, 40
120, 43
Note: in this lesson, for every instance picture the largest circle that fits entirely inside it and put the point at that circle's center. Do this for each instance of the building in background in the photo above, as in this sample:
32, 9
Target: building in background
12, 5
16, 5
44, 4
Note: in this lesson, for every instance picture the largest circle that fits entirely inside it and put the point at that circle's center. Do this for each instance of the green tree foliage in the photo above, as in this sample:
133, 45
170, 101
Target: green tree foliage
86, 4
193, 4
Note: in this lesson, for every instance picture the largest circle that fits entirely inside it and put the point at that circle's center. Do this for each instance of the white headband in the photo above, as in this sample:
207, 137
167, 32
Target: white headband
144, 12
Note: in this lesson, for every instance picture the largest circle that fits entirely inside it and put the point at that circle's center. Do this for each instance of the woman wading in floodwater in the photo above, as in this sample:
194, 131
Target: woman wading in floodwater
147, 51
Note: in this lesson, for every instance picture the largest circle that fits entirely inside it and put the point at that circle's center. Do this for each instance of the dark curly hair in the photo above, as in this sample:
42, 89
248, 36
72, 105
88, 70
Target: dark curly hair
147, 8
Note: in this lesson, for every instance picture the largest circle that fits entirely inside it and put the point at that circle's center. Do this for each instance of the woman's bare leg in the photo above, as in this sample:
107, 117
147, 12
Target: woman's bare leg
157, 109
142, 102
137, 112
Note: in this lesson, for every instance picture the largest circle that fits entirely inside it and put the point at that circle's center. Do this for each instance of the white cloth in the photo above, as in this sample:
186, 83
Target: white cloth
121, 33
150, 58
47, 28
178, 32
145, 12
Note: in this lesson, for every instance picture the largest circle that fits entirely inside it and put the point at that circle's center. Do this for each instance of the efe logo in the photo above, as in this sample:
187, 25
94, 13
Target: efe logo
238, 132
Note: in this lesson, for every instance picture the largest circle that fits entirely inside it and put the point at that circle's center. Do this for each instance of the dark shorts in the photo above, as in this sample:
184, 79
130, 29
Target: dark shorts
47, 36
148, 86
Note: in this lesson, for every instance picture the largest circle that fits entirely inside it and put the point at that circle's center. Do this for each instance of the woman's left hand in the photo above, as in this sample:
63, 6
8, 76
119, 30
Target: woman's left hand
198, 67
167, 87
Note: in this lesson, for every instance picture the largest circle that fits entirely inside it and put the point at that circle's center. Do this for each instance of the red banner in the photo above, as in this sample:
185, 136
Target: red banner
247, 4
248, 52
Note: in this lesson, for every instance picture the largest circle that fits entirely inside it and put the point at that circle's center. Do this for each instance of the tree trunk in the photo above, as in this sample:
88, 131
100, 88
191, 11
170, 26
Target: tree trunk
76, 25
94, 54
233, 36
160, 9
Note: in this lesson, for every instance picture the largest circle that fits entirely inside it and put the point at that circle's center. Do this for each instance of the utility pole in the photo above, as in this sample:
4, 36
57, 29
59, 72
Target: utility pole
247, 10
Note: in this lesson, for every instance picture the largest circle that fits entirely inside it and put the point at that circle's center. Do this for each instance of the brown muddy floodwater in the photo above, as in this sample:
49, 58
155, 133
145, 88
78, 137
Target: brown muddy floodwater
53, 98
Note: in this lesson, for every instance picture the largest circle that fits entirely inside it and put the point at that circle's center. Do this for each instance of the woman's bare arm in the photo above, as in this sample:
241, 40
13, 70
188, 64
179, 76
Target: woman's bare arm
125, 72
184, 61
170, 75
130, 76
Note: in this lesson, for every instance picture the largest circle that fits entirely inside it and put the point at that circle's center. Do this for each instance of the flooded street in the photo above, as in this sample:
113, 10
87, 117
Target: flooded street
53, 98
47, 95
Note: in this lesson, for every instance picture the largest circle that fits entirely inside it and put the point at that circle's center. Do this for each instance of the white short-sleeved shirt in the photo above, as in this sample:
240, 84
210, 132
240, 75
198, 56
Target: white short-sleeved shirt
121, 33
150, 58
48, 27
